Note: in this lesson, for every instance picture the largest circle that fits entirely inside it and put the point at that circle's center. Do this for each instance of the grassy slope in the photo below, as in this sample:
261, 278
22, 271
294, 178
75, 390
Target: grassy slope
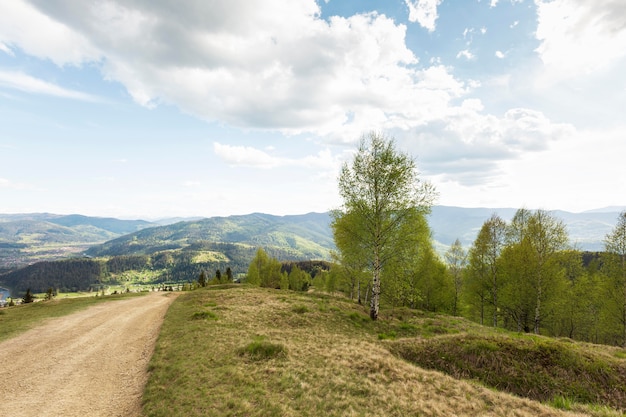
241, 351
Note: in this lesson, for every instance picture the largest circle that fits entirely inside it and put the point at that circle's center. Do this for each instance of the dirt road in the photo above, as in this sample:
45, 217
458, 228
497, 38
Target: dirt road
91, 363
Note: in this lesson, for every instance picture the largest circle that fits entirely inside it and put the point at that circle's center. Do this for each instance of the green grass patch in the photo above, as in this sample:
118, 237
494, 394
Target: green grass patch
300, 309
18, 319
535, 367
204, 315
261, 349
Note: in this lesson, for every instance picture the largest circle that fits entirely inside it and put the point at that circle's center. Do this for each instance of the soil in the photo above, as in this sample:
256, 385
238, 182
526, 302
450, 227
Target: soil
91, 363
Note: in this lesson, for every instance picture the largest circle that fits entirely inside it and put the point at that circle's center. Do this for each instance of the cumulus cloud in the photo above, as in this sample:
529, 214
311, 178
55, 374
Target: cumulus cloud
23, 82
247, 156
23, 25
468, 145
579, 37
240, 64
424, 12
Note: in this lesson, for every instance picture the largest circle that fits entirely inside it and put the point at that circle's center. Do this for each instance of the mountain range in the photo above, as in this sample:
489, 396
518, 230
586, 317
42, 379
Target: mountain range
27, 238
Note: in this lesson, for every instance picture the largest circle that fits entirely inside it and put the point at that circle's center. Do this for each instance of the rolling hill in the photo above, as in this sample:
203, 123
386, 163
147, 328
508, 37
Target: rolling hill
28, 238
586, 230
306, 236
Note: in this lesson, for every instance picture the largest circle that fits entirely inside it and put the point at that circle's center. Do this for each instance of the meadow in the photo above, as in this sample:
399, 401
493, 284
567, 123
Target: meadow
244, 351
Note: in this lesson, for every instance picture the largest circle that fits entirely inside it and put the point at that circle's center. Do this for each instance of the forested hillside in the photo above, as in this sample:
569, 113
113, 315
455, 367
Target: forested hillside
28, 238
296, 237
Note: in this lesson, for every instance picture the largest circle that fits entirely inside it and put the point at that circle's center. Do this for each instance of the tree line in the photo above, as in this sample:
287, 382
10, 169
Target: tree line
522, 275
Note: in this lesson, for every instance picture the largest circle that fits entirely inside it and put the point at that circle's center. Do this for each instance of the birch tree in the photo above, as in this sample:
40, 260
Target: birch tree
380, 189
615, 267
485, 277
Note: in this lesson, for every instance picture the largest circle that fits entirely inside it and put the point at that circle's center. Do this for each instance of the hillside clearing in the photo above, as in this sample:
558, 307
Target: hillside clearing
239, 351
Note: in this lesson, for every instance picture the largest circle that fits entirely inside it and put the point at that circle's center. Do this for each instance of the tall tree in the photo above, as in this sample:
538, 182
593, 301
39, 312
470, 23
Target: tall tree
456, 258
255, 268
615, 267
535, 240
484, 274
380, 190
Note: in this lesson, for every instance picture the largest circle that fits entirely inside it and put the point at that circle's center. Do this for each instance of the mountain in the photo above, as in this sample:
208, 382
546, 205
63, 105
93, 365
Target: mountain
27, 238
306, 236
586, 230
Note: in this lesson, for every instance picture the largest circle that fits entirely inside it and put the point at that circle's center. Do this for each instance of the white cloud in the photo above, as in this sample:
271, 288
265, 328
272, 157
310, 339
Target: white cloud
23, 82
500, 54
579, 37
423, 12
21, 24
246, 156
466, 54
6, 49
468, 146
243, 65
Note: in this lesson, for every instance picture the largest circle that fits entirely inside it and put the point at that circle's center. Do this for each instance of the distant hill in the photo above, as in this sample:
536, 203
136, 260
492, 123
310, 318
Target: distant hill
27, 238
306, 236
586, 230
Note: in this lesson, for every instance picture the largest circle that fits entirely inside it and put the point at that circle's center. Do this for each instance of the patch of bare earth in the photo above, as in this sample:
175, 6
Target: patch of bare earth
91, 363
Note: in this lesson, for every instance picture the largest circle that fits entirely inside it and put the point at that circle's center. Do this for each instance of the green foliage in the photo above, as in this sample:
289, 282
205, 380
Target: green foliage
265, 271
298, 279
614, 267
28, 297
381, 194
68, 275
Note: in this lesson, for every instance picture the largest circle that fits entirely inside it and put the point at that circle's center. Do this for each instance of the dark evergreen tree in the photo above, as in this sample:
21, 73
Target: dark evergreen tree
202, 279
28, 297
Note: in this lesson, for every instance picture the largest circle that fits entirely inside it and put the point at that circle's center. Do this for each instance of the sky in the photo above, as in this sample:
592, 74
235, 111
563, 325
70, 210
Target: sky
158, 108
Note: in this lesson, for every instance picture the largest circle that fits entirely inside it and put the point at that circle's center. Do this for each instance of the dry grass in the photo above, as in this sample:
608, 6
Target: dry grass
331, 362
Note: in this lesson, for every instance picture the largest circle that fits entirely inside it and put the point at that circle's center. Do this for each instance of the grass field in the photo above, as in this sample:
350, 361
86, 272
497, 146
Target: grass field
242, 351
20, 318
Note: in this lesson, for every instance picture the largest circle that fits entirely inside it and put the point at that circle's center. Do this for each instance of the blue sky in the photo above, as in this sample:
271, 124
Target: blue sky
157, 108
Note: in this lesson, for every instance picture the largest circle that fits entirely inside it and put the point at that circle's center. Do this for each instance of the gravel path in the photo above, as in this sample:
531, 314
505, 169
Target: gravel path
91, 363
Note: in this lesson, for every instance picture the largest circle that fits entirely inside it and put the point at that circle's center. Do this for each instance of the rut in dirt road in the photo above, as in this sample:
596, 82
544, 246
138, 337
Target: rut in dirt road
91, 363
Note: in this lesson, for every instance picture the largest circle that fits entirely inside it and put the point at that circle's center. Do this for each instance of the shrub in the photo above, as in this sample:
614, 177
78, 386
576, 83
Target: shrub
261, 349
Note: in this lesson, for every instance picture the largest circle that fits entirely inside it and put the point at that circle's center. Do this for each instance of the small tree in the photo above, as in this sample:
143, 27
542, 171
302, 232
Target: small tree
28, 297
229, 275
202, 279
49, 294
456, 257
